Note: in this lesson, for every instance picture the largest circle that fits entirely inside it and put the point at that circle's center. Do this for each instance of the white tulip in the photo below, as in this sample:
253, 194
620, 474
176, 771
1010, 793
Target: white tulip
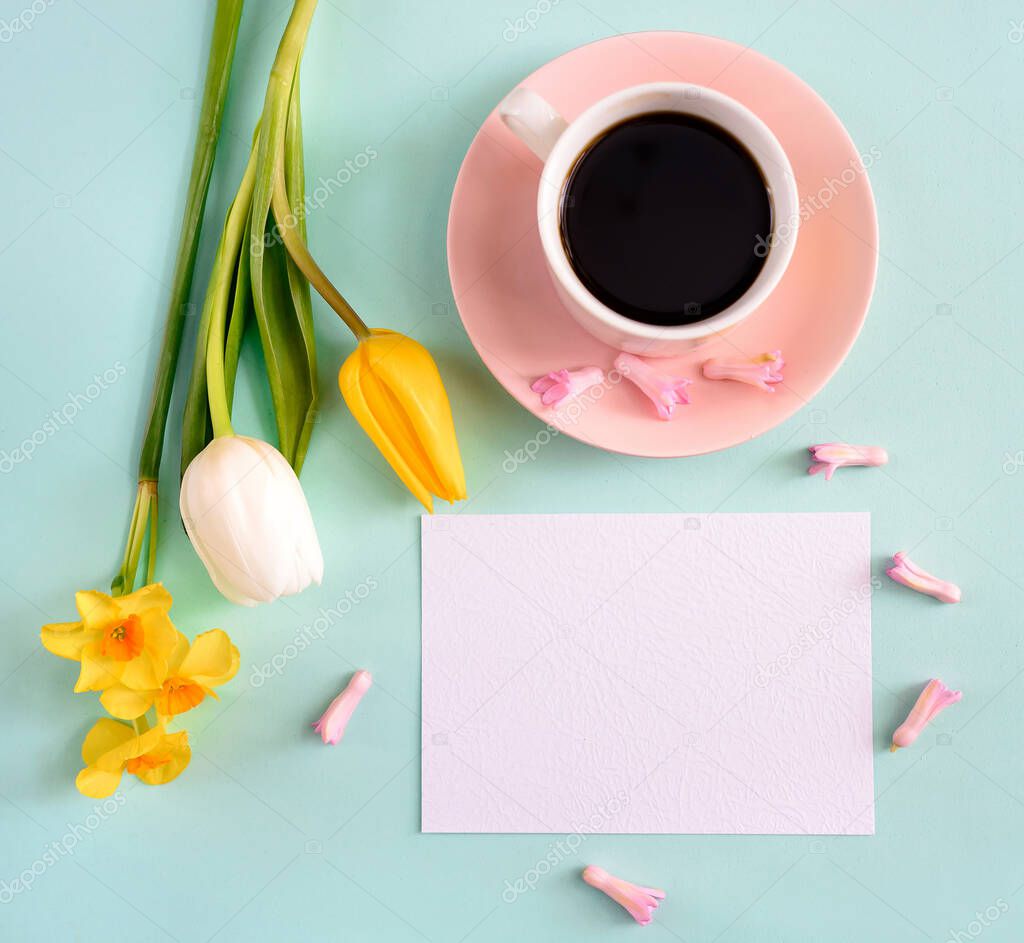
247, 517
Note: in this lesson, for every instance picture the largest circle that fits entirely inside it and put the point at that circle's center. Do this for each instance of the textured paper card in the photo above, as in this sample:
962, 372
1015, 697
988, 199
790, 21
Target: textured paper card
647, 673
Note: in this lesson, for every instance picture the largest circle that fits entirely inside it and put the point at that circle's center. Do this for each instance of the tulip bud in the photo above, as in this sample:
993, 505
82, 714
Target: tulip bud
247, 517
392, 386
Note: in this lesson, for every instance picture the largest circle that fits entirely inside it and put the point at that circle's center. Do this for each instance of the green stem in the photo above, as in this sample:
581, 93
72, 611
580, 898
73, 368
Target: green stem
221, 280
289, 51
118, 586
218, 73
282, 77
143, 522
286, 224
147, 491
151, 562
279, 90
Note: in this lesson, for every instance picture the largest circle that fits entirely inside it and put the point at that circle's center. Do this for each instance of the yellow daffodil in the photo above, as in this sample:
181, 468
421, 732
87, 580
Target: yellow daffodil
111, 749
125, 642
392, 386
193, 671
121, 641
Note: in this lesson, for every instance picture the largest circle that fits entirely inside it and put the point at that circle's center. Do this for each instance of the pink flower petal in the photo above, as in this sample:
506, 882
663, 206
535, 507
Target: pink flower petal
762, 372
331, 725
908, 573
935, 698
559, 385
663, 389
639, 901
832, 455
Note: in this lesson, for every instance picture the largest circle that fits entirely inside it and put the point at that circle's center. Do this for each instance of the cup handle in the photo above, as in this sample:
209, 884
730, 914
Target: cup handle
531, 119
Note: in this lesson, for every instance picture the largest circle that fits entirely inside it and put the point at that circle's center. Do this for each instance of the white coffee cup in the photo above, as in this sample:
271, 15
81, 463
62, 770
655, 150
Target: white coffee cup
559, 144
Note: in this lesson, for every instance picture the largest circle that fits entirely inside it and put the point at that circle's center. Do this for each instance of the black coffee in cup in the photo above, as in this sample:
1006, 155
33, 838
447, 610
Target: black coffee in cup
664, 218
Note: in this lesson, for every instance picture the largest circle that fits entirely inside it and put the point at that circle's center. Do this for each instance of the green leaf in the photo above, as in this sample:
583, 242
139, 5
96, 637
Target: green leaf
295, 181
291, 385
281, 303
232, 257
241, 307
196, 430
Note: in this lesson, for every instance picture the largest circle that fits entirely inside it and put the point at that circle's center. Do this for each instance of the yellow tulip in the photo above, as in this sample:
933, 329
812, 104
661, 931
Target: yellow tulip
392, 386
111, 749
389, 381
121, 641
193, 671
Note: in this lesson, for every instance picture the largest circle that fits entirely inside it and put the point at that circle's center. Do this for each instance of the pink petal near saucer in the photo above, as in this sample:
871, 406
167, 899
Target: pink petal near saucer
520, 329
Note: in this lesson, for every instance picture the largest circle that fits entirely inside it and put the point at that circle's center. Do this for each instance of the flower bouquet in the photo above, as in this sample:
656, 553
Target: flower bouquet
241, 502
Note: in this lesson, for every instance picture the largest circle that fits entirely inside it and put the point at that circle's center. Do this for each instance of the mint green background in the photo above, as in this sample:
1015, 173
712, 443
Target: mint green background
271, 836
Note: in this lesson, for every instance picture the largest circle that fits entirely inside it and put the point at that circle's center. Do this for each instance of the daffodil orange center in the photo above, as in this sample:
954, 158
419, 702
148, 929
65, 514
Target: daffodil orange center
123, 641
178, 695
148, 761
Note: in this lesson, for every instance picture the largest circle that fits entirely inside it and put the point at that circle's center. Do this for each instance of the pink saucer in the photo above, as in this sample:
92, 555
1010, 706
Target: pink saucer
519, 327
